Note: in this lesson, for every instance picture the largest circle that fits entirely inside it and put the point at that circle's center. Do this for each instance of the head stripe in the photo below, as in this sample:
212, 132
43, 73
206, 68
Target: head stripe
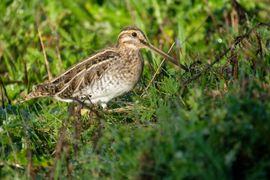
131, 28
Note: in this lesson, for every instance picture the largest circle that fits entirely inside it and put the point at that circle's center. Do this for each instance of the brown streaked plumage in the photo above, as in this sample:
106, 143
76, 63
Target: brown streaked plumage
103, 76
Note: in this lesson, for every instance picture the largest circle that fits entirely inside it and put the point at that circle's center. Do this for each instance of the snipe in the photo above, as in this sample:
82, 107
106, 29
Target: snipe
103, 76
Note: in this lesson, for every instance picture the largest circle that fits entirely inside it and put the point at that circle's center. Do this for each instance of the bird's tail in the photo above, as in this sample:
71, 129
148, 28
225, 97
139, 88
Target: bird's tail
39, 91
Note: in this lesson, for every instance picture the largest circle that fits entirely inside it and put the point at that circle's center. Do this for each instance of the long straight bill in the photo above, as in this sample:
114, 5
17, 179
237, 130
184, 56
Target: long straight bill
166, 56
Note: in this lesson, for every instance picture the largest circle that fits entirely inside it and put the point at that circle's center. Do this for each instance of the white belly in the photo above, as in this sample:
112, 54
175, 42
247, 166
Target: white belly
104, 90
107, 93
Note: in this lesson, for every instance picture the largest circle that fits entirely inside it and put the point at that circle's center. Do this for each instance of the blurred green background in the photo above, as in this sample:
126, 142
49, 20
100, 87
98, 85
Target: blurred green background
216, 126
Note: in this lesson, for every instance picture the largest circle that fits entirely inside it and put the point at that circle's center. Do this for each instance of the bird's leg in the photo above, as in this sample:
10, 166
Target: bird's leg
88, 98
91, 112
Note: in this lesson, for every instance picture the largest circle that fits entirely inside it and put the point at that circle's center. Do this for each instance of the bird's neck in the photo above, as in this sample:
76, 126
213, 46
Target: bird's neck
128, 46
129, 51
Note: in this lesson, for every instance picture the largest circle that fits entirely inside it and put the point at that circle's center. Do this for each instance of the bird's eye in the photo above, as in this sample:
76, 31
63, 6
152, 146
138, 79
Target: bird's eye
134, 34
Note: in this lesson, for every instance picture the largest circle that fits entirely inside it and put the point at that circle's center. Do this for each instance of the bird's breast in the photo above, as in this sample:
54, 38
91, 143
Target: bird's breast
131, 70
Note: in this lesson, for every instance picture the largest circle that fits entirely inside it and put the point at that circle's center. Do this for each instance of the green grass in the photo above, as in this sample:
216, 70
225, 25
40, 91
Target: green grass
216, 126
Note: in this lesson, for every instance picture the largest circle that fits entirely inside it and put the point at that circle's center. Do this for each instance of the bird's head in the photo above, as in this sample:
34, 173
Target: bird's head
134, 38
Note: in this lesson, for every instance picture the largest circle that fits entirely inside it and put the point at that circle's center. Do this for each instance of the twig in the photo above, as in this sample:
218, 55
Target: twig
241, 12
260, 49
44, 54
4, 93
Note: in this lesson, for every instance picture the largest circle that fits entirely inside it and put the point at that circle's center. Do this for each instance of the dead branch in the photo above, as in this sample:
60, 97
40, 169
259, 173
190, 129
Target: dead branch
44, 54
236, 42
4, 93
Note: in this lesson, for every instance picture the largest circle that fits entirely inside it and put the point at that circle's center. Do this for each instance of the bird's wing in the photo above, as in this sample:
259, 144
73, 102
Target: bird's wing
80, 74
87, 77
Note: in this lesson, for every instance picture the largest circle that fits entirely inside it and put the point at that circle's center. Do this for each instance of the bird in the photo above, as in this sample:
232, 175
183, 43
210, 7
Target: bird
103, 76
